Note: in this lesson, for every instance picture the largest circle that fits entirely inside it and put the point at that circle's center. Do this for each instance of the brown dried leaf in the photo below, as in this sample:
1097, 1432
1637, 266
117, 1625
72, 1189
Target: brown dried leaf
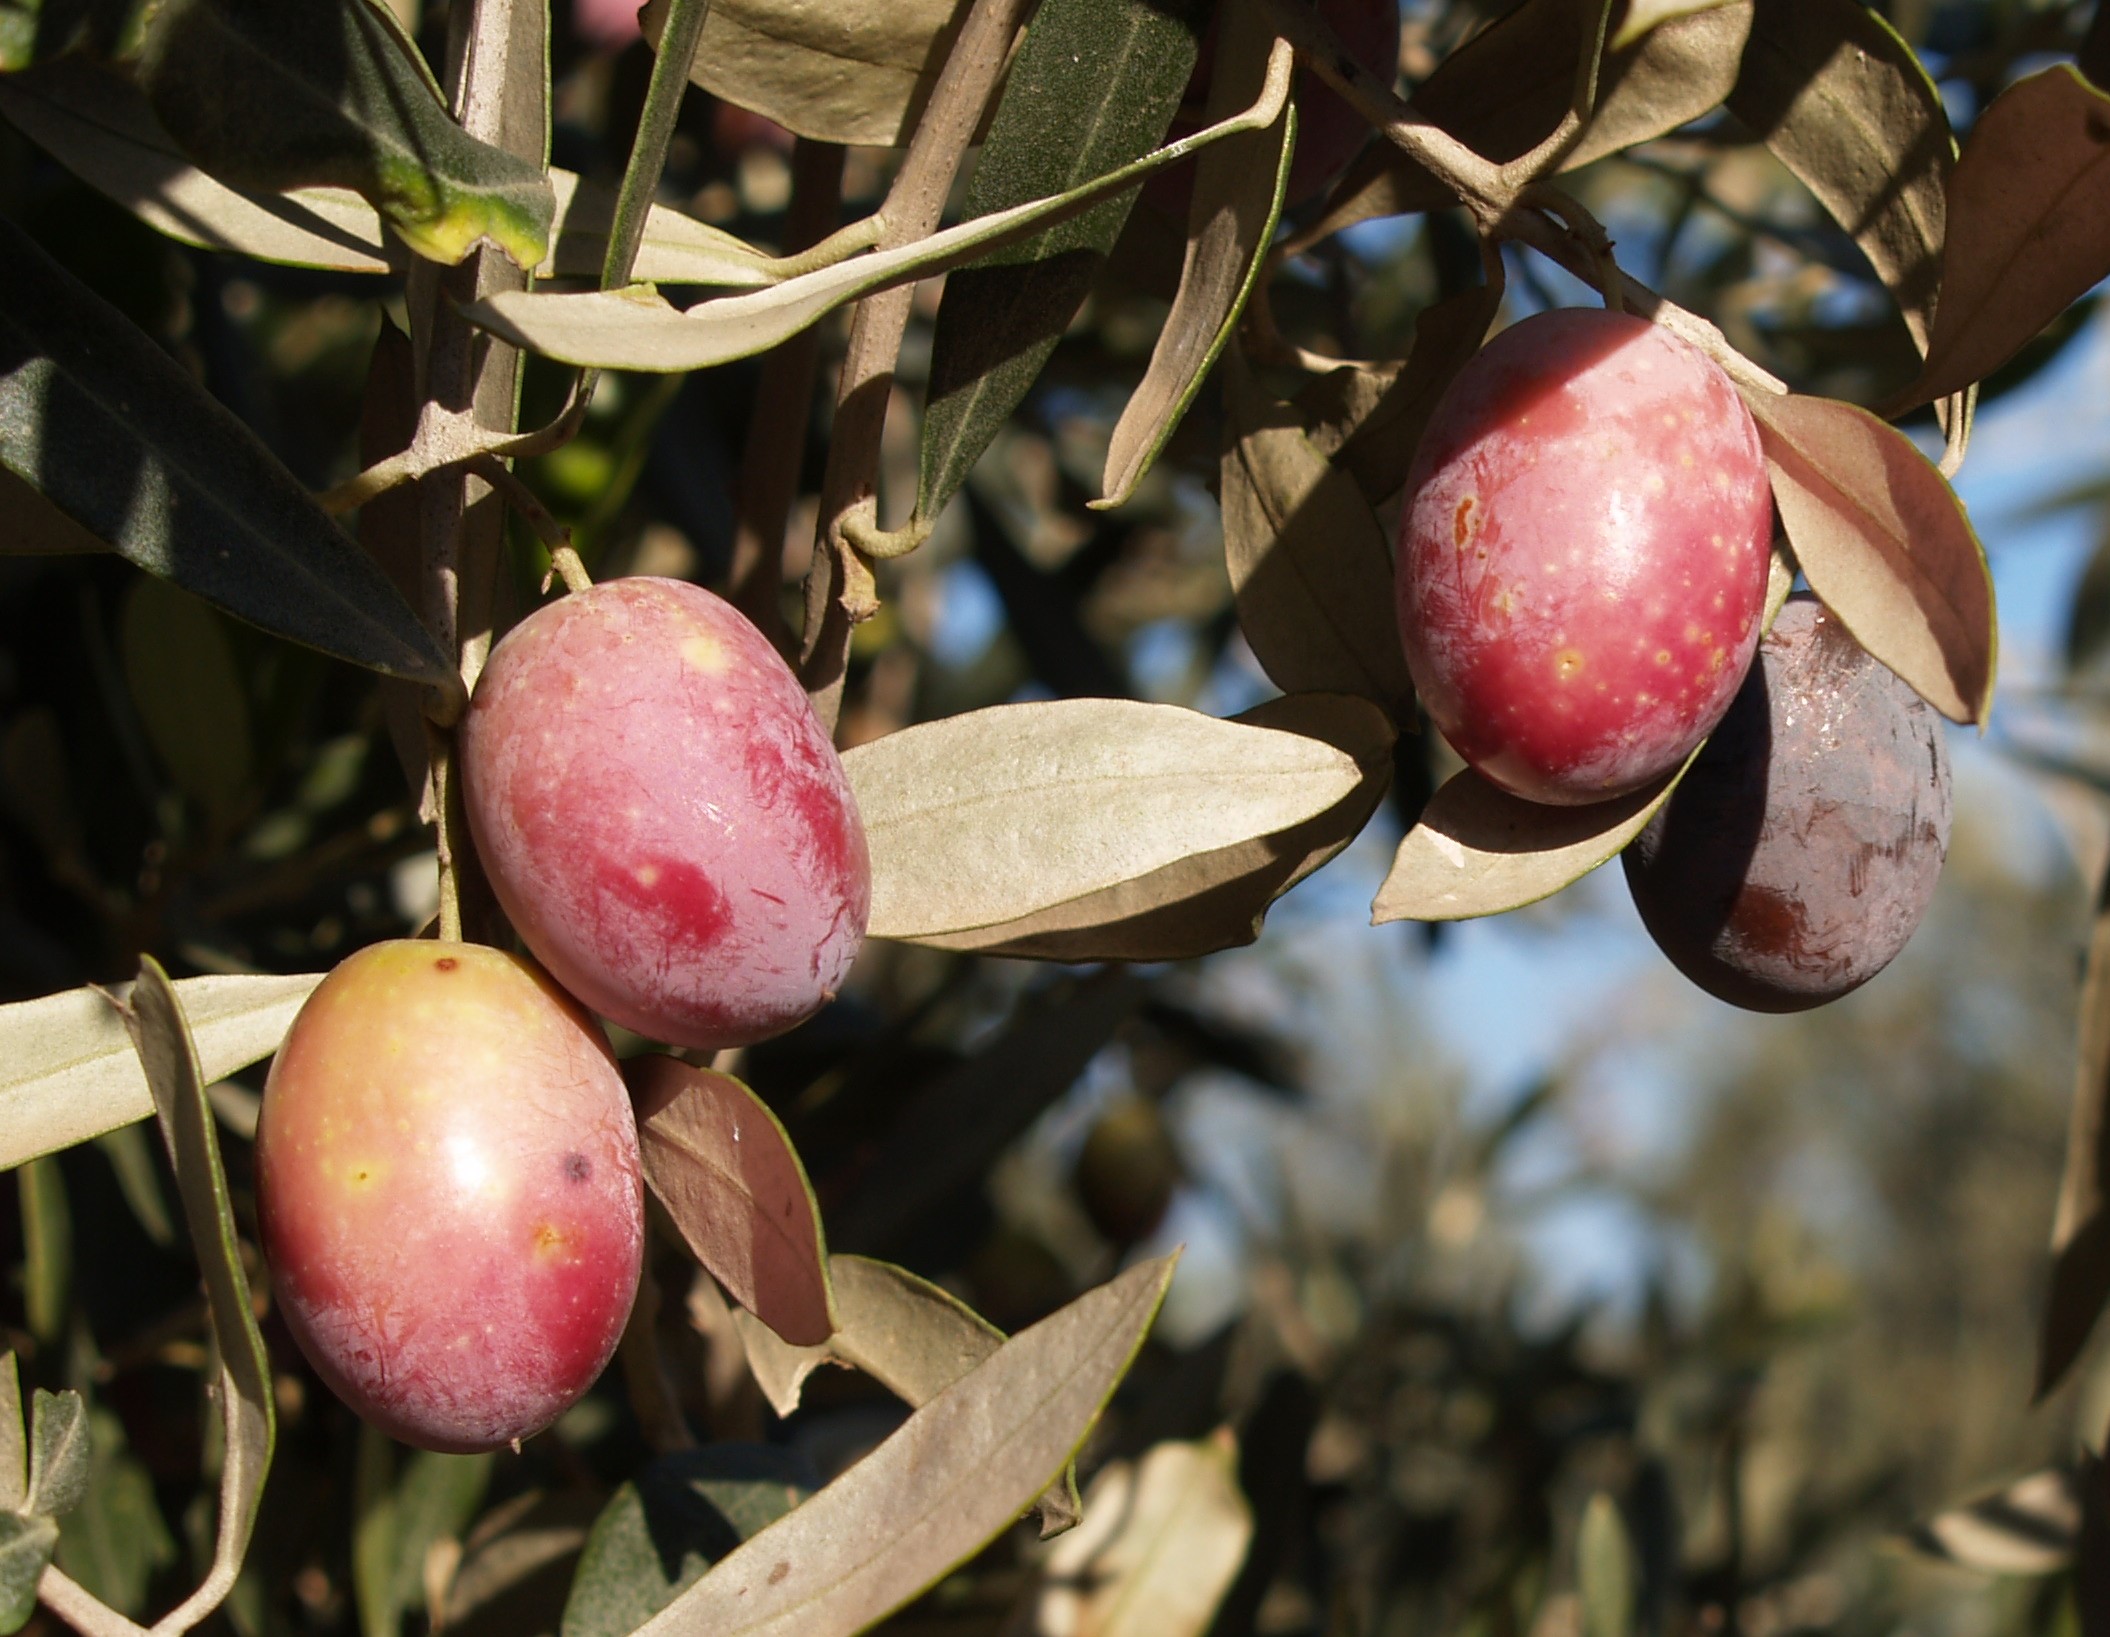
719, 1161
1238, 187
848, 71
1058, 800
955, 1475
1843, 102
1478, 850
1307, 559
2080, 1230
1506, 88
2027, 233
1887, 545
1160, 1544
2026, 1527
1213, 900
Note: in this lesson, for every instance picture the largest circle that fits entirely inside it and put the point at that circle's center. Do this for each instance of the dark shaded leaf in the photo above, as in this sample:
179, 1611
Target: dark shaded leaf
59, 1455
335, 96
680, 1515
1213, 900
180, 670
26, 1545
1886, 544
1095, 84
720, 1162
37, 528
947, 1482
115, 1541
132, 1159
2027, 235
1842, 101
47, 1249
14, 1438
118, 436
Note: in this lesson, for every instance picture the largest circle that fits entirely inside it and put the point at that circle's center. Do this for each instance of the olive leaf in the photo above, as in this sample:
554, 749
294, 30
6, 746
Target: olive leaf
337, 96
1604, 1570
2026, 237
153, 1016
1214, 900
1478, 850
35, 527
121, 438
664, 1528
720, 1162
399, 1516
14, 1438
47, 1249
1062, 799
200, 731
1093, 87
2079, 1286
26, 1547
1505, 90
1845, 105
637, 329
1238, 191
2027, 1527
1160, 1544
855, 71
1886, 544
955, 1474
116, 1541
59, 1453
102, 128
71, 1070
1308, 562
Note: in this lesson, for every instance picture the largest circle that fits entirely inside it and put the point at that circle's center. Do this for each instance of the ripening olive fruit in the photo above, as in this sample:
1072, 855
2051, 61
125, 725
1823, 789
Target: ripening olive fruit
449, 1192
1799, 851
1582, 559
662, 815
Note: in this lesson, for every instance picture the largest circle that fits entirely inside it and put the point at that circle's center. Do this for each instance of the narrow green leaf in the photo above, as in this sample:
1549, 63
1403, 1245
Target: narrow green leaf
1238, 190
660, 1532
374, 1534
129, 1156
26, 1545
1604, 1571
947, 1482
14, 1438
123, 440
47, 1250
636, 329
154, 1017
335, 96
436, 1496
1094, 86
198, 726
59, 1453
70, 1070
1843, 102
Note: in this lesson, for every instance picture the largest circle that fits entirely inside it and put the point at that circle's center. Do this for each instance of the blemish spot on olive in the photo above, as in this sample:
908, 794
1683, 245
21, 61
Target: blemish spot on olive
446, 963
577, 1168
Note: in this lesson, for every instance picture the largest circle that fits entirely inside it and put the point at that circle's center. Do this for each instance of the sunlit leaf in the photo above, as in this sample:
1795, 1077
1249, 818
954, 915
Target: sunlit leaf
948, 1481
155, 1019
1885, 543
636, 329
59, 1453
2027, 236
1160, 1544
1215, 900
1478, 850
335, 96
1308, 562
661, 1531
102, 129
850, 71
1094, 86
1238, 190
1060, 799
1505, 90
71, 1071
720, 1162
1843, 102
120, 437
2026, 1527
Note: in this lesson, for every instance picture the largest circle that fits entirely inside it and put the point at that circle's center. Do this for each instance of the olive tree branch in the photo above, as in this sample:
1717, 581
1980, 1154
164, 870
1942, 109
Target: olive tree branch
840, 590
81, 1609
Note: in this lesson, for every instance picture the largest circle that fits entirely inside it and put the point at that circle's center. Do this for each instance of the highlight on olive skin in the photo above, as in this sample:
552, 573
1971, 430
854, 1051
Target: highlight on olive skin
1798, 854
663, 818
1583, 555
449, 1193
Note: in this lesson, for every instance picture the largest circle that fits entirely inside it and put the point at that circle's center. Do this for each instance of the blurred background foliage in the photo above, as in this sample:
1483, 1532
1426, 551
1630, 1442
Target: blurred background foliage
1481, 1221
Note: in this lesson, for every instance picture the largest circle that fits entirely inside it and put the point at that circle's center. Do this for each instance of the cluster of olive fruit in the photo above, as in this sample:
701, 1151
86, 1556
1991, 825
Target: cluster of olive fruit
1582, 580
447, 1161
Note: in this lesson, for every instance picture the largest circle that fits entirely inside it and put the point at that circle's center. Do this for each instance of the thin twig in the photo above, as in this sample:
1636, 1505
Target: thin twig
839, 586
81, 1609
564, 561
1545, 156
